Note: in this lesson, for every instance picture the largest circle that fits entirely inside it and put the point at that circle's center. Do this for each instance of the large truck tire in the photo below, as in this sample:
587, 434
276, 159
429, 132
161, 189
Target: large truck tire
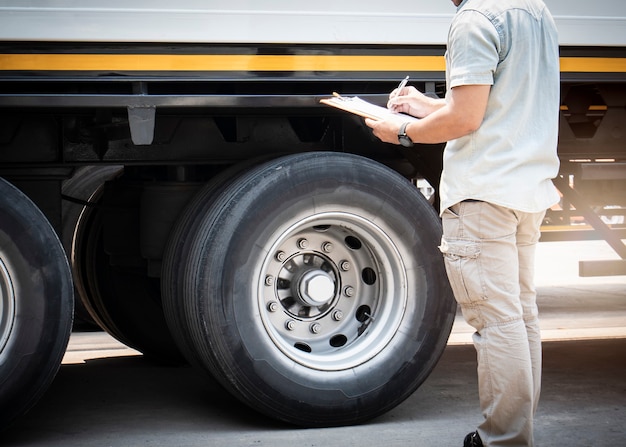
36, 303
124, 302
82, 188
177, 251
314, 290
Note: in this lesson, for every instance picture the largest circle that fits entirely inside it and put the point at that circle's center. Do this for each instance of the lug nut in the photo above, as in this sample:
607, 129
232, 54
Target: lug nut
337, 315
290, 325
327, 247
303, 243
315, 328
273, 306
280, 256
348, 291
344, 266
269, 280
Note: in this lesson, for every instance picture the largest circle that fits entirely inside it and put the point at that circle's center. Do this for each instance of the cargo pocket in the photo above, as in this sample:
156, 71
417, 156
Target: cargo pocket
462, 261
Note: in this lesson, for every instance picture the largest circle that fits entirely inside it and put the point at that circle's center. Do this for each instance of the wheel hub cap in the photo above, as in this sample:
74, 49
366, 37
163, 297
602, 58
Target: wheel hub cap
316, 288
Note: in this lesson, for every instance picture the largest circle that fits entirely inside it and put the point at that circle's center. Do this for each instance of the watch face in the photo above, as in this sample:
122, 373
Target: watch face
405, 141
403, 138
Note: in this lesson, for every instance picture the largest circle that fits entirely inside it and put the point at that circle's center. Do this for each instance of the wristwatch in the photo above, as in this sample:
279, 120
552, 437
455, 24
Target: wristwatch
403, 138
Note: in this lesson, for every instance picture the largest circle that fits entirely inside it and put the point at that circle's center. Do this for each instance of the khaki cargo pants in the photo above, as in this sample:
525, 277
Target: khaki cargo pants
489, 255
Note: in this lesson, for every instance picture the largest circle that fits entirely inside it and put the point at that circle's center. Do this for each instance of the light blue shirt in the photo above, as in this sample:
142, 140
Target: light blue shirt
510, 160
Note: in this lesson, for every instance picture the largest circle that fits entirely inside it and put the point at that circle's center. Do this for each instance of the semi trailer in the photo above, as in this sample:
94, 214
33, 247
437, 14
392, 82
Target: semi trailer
168, 174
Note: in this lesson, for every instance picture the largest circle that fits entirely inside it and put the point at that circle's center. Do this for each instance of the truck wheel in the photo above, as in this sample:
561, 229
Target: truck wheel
178, 247
36, 303
123, 302
87, 260
82, 186
314, 289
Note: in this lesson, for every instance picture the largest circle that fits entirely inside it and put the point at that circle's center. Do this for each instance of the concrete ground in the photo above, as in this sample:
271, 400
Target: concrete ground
107, 395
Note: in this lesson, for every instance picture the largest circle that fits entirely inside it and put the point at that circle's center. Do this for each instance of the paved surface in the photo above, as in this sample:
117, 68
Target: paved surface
107, 395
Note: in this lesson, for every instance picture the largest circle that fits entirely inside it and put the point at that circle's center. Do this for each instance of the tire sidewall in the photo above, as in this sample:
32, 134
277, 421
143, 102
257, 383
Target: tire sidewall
40, 276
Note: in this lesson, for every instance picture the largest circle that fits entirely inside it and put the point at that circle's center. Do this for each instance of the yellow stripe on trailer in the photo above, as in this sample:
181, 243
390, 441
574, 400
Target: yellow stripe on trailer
238, 62
593, 65
228, 62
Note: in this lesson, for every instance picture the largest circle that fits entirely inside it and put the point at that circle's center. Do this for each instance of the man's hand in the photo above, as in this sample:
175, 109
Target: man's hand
408, 100
386, 130
413, 102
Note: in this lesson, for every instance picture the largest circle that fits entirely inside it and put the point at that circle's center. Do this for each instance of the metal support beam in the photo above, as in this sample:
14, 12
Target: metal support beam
592, 218
588, 268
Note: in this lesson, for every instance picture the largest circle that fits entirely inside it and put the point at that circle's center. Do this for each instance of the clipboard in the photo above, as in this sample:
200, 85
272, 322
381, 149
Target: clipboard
365, 109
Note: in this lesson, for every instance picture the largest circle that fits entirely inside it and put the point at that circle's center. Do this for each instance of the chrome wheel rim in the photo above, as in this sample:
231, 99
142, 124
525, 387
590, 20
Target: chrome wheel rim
332, 291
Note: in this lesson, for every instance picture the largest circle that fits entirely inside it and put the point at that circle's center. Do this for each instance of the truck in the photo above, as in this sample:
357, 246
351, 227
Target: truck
168, 174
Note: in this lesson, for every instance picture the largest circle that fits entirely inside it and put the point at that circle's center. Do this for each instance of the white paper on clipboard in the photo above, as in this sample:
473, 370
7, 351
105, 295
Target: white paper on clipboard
358, 106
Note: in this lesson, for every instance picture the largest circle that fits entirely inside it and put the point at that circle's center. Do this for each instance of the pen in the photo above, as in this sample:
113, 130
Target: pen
402, 84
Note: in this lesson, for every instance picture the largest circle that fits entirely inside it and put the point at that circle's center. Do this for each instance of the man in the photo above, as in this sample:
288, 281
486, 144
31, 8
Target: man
500, 119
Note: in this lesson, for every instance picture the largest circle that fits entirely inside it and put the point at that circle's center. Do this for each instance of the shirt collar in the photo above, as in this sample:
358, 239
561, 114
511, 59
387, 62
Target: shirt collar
458, 8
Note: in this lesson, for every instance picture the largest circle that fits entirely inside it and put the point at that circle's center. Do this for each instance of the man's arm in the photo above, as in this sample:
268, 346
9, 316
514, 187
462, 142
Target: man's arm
462, 114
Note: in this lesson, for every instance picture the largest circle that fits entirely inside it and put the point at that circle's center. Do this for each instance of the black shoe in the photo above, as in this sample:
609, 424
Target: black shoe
472, 440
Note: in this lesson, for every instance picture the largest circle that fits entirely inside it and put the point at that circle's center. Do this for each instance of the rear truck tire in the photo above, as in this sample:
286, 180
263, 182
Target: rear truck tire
83, 186
178, 247
87, 260
124, 302
36, 303
314, 291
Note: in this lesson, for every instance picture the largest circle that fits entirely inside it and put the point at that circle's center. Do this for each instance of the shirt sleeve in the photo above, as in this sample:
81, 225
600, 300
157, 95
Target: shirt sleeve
473, 50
